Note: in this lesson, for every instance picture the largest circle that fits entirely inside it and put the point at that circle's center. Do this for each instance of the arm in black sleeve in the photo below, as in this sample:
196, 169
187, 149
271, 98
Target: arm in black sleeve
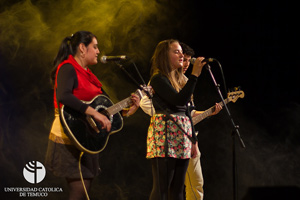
66, 82
165, 90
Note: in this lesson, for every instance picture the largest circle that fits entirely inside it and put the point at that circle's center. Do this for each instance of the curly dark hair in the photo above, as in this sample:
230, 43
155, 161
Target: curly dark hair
187, 49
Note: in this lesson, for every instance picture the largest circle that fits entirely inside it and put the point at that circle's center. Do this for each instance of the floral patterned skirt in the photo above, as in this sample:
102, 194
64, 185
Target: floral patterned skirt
178, 144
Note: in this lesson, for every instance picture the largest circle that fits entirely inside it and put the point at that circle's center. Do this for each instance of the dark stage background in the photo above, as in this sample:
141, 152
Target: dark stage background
257, 43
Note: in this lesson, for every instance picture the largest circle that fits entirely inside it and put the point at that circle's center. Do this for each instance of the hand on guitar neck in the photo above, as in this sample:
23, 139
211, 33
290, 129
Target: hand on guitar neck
134, 105
217, 108
201, 115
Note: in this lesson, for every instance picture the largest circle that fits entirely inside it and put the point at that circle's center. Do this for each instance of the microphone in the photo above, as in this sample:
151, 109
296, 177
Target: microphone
193, 60
104, 59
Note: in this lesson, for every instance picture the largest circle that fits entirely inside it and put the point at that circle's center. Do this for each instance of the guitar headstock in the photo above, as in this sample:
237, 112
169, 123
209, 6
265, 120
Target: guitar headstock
235, 94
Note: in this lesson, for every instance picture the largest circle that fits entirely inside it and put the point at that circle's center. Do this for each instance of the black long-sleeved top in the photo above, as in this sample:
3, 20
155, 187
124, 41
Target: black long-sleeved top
66, 82
166, 99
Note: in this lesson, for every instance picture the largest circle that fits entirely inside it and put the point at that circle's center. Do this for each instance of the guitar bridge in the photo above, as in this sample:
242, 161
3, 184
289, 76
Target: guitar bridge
92, 123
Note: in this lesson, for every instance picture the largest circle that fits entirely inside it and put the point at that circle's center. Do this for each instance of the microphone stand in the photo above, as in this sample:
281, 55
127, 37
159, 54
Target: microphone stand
136, 83
235, 132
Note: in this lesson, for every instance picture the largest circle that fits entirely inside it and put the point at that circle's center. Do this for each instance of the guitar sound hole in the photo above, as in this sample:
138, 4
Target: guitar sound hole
102, 109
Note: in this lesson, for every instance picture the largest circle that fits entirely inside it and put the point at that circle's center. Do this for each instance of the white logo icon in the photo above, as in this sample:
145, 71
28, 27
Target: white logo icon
34, 172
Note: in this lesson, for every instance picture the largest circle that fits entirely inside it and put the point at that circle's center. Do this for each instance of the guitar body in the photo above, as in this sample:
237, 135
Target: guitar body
86, 137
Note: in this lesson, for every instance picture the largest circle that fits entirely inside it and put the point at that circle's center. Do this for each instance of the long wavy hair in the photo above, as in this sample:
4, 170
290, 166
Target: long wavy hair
160, 63
69, 46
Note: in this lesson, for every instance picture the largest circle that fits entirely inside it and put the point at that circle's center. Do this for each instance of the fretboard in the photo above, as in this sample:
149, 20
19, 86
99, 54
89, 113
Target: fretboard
119, 106
207, 112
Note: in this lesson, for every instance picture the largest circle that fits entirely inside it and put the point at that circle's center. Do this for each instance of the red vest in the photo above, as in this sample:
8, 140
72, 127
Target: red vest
88, 84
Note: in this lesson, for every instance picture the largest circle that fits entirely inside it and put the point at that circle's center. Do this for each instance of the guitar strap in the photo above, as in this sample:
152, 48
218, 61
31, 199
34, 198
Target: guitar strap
188, 113
192, 139
57, 103
60, 115
103, 92
167, 117
58, 107
166, 136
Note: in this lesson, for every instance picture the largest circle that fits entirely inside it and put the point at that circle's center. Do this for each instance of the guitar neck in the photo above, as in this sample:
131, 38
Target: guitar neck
207, 112
119, 106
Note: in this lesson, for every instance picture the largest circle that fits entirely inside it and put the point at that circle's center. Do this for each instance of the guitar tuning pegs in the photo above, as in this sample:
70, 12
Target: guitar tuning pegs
237, 88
